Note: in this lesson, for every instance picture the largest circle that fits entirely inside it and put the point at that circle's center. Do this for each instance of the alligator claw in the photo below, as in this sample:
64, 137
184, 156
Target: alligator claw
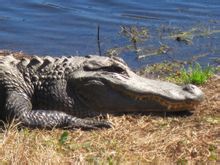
103, 124
89, 124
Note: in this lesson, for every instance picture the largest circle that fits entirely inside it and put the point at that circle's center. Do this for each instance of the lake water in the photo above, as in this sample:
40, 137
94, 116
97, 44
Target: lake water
69, 27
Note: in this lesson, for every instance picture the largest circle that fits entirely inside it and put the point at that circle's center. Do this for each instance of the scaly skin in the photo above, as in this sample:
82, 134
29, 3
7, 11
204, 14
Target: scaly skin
60, 92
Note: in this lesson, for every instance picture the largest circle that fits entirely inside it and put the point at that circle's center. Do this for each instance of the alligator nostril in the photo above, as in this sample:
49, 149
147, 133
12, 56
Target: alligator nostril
189, 88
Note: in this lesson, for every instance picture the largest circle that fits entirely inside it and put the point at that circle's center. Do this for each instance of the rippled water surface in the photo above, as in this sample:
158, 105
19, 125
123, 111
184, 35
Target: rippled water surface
69, 27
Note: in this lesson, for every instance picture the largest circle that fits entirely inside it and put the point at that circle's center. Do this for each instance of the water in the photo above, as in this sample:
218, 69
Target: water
53, 27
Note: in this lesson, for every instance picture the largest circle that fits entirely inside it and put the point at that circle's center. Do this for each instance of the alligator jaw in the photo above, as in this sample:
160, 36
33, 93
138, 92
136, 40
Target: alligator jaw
117, 92
171, 96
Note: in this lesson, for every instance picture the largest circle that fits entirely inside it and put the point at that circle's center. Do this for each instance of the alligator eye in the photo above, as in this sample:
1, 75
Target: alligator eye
115, 68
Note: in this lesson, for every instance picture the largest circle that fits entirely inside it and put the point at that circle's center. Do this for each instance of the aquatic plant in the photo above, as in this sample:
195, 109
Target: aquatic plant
135, 34
188, 36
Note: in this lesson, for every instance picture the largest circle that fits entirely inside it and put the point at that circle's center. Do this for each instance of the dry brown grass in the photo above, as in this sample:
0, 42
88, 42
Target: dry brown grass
135, 138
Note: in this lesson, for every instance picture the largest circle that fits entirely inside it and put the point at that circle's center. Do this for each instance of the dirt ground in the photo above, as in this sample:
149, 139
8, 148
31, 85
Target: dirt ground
165, 138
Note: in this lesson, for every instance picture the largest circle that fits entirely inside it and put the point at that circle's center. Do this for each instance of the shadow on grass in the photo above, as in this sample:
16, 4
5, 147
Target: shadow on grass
6, 124
184, 113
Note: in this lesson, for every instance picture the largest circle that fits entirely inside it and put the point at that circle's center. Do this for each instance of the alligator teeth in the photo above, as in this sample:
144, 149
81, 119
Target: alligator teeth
141, 98
137, 98
169, 107
175, 106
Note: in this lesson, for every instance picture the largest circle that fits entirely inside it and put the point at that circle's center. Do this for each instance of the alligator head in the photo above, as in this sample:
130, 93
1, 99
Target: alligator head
109, 85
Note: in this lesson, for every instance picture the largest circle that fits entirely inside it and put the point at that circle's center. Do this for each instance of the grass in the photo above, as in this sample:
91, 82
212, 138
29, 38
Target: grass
161, 138
177, 72
195, 74
161, 70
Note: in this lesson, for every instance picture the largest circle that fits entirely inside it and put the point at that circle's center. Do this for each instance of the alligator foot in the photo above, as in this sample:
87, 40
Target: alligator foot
20, 107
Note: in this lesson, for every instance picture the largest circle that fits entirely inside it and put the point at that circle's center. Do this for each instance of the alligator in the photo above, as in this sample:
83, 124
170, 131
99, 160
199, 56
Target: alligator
67, 92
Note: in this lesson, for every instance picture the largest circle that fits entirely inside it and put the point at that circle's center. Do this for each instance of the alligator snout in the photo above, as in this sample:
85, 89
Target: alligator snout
195, 92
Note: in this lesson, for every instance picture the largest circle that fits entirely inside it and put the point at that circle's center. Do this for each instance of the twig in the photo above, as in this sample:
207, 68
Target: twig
98, 41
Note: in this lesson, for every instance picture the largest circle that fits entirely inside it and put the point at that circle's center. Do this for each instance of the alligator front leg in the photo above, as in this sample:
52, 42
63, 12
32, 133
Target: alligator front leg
19, 106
